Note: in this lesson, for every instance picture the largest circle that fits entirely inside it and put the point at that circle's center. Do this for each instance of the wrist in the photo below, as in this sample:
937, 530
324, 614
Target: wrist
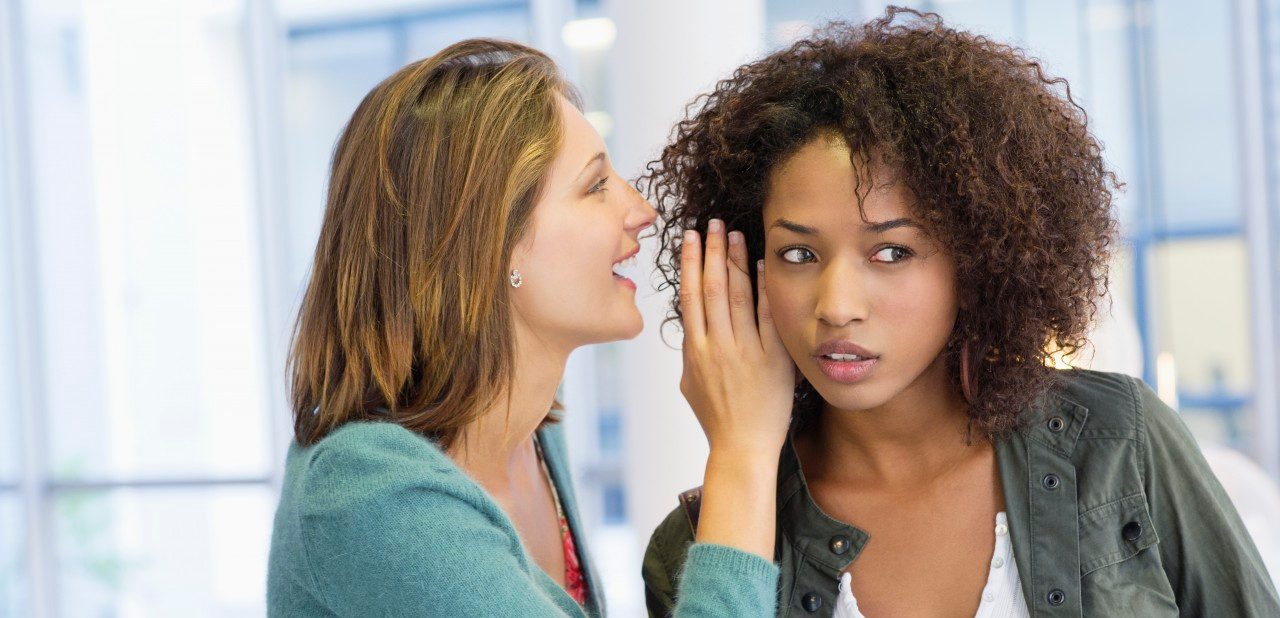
745, 458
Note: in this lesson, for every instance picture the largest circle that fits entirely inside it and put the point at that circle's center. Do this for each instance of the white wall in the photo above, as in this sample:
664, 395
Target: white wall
666, 53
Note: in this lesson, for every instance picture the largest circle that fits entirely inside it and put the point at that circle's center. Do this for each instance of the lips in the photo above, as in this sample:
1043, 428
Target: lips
844, 361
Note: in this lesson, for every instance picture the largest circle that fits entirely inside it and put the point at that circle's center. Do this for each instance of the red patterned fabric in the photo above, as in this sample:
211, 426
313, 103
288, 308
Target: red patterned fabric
575, 582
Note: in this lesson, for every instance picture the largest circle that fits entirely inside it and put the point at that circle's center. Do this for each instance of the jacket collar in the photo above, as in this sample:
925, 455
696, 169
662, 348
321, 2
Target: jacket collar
1053, 423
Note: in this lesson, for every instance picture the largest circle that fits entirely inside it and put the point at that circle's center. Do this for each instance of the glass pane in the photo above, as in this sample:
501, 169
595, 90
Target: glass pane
1204, 338
9, 427
147, 249
163, 552
997, 19
429, 35
1108, 93
786, 21
1054, 33
1196, 105
13, 579
329, 71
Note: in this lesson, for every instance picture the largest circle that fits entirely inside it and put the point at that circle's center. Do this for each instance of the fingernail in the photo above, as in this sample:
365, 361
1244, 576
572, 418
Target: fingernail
760, 265
735, 238
715, 226
690, 236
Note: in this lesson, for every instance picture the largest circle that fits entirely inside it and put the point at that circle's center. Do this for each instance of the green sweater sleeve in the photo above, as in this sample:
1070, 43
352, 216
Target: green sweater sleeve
723, 581
685, 579
1208, 556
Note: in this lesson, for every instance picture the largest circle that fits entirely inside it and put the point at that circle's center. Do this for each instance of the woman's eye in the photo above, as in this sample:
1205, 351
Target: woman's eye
599, 186
891, 254
797, 255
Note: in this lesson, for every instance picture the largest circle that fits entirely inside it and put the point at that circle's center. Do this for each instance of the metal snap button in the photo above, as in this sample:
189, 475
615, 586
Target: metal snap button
1131, 531
1056, 424
811, 602
1056, 597
1051, 481
839, 545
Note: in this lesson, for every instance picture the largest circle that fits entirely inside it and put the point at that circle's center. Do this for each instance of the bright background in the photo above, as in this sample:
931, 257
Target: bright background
162, 170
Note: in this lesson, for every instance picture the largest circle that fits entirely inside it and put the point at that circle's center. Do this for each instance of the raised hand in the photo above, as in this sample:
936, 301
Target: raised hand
737, 377
739, 381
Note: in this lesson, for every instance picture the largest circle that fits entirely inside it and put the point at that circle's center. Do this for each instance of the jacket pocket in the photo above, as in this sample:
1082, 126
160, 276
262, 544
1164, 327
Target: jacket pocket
1114, 532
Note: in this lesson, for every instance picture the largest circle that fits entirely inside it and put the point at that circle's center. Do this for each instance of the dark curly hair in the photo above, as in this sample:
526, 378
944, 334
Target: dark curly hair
996, 153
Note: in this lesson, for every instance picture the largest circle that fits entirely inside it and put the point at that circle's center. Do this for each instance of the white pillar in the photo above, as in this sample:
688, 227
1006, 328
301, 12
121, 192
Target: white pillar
666, 53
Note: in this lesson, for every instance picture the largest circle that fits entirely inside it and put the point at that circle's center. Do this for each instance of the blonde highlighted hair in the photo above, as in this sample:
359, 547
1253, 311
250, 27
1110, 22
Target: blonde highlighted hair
407, 316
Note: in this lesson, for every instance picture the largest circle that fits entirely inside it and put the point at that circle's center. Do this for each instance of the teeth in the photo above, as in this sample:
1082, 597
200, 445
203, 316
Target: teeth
622, 266
844, 357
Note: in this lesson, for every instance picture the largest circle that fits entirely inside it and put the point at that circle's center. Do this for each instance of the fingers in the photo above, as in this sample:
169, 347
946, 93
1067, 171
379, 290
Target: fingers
691, 313
742, 312
769, 338
715, 284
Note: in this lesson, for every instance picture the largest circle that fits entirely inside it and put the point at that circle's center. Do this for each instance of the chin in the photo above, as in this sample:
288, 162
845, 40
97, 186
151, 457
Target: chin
619, 328
864, 395
634, 327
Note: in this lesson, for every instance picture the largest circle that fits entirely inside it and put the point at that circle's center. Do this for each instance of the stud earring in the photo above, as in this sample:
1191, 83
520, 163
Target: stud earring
516, 279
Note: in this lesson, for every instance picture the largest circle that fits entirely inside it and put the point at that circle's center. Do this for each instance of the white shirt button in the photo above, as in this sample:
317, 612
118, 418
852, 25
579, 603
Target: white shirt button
997, 563
1002, 529
988, 597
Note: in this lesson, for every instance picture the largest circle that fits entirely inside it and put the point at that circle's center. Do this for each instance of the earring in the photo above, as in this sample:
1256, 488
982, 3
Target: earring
965, 387
516, 279
802, 390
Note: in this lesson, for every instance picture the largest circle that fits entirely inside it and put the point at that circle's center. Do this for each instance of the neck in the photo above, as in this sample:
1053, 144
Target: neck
499, 442
916, 436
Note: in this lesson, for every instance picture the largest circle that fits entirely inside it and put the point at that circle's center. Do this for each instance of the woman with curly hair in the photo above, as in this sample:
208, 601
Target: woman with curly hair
933, 222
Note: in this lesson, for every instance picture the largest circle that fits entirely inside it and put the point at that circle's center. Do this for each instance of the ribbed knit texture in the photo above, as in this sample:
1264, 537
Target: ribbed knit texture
717, 578
375, 520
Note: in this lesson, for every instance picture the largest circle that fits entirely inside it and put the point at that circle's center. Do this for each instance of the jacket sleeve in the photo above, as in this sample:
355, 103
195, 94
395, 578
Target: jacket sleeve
1209, 557
383, 537
683, 579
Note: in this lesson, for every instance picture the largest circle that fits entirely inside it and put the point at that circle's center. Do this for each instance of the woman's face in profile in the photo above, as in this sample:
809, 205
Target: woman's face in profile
581, 243
866, 305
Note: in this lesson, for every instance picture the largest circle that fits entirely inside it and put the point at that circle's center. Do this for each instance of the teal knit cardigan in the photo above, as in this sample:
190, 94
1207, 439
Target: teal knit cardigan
375, 520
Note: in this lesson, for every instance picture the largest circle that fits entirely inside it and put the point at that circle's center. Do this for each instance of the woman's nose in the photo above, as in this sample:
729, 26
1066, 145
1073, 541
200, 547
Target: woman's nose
841, 298
641, 214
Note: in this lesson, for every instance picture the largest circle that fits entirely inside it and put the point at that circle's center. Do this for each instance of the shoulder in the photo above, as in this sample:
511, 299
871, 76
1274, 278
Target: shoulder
364, 465
1122, 406
363, 447
1110, 399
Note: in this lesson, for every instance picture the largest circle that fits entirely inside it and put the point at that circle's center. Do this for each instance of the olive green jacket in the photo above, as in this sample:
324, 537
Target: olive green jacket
1112, 511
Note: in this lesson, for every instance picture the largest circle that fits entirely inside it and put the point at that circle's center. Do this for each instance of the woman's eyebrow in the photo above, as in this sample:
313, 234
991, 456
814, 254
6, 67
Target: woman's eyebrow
599, 157
884, 226
793, 226
873, 227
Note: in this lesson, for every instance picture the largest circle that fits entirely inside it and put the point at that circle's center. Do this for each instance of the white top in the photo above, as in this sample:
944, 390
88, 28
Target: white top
1001, 597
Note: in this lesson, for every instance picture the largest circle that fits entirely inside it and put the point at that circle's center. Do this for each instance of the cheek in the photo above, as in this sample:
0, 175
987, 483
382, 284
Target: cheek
921, 305
791, 302
571, 248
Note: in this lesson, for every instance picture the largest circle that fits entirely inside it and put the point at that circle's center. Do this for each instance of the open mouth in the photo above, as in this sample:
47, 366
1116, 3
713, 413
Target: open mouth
625, 269
844, 361
846, 357
846, 368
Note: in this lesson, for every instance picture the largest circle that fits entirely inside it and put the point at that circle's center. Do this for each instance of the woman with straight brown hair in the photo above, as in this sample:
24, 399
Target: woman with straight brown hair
471, 241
